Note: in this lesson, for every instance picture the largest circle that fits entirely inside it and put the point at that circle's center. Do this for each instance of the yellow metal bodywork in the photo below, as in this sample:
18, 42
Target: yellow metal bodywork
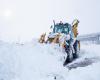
54, 40
42, 38
74, 27
75, 31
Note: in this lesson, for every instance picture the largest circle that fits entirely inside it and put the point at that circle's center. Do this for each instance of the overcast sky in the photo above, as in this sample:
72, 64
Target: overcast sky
27, 19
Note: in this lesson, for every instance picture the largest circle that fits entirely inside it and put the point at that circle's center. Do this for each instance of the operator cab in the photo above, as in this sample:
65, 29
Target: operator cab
61, 28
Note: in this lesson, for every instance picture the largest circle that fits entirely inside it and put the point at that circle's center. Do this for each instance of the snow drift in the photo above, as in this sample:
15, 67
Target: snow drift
34, 61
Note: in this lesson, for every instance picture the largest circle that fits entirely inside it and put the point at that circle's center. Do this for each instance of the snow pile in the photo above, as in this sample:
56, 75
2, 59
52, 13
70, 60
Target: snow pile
38, 61
34, 61
89, 72
31, 61
7, 61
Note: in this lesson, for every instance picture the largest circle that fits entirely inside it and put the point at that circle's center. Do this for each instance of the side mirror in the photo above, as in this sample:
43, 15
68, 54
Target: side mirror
51, 27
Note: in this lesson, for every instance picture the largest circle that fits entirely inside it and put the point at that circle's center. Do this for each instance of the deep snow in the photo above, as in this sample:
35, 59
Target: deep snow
34, 61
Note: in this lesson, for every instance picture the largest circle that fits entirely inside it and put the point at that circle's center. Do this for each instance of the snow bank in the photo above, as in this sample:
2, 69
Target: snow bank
31, 61
89, 72
34, 61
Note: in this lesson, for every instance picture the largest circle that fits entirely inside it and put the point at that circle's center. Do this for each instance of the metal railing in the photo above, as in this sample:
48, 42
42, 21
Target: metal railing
93, 38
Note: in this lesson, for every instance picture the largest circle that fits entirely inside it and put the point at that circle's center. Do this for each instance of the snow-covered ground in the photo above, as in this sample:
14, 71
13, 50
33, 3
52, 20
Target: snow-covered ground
34, 61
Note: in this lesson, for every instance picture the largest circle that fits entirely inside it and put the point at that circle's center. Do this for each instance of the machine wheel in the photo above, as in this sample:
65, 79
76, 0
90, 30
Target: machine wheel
77, 49
69, 57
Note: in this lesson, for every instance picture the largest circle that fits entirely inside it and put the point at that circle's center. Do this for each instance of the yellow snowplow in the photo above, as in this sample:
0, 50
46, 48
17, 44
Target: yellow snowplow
64, 34
58, 30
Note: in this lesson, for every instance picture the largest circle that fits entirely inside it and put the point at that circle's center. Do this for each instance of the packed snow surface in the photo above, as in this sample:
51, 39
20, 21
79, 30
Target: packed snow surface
34, 61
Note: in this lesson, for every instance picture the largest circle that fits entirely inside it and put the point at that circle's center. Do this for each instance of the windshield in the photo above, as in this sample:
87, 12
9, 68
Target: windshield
61, 29
58, 30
